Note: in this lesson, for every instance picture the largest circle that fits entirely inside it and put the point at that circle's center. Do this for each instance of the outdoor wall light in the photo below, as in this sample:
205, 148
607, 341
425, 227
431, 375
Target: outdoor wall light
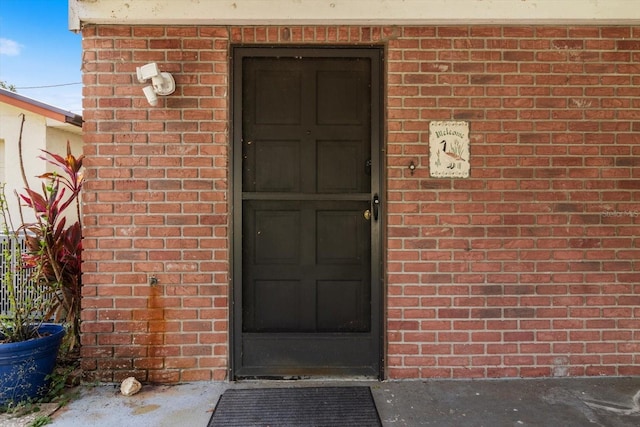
161, 83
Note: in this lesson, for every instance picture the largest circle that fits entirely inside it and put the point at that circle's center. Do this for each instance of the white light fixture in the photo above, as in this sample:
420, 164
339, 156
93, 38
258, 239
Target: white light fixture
162, 83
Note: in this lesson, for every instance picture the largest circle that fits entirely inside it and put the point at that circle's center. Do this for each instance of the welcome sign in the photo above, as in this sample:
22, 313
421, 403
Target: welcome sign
449, 149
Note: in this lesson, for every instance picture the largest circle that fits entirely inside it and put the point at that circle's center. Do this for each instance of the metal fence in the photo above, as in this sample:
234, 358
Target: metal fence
11, 249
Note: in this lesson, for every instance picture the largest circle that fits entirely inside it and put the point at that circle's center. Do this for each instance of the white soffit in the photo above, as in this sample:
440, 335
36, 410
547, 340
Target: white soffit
352, 12
68, 127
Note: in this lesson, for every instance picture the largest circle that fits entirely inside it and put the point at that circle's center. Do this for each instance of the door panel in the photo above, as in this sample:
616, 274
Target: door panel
276, 166
306, 269
339, 95
295, 253
340, 167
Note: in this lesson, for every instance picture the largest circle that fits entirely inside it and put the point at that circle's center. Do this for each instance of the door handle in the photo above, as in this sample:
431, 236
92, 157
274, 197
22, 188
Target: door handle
376, 206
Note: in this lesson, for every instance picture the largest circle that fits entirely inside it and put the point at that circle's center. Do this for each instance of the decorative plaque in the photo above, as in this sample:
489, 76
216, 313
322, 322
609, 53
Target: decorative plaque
449, 149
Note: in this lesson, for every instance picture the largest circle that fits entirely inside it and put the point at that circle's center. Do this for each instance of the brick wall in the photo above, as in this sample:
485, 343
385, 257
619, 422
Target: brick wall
155, 204
527, 268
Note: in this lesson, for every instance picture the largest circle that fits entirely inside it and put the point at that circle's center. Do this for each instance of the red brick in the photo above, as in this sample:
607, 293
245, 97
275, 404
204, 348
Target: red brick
550, 143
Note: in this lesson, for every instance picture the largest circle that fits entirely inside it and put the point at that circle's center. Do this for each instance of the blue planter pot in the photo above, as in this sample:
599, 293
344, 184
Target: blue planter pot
25, 365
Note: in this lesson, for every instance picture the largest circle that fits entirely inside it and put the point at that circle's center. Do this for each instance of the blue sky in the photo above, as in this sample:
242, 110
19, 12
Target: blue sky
37, 49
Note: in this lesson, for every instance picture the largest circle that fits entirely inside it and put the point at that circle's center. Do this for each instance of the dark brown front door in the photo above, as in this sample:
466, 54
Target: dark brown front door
307, 221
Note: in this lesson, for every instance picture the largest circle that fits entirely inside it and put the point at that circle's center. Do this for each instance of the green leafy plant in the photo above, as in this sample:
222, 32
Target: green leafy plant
42, 420
24, 317
8, 86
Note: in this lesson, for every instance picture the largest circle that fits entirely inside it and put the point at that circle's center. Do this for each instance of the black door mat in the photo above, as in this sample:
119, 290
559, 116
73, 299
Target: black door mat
297, 406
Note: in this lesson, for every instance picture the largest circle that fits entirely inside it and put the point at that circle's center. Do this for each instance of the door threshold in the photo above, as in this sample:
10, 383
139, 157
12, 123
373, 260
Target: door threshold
305, 382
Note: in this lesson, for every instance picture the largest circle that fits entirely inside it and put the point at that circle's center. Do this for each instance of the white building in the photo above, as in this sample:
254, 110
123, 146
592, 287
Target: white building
45, 128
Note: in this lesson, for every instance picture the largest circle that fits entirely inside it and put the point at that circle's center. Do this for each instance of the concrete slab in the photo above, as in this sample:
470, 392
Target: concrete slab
566, 402
541, 402
155, 405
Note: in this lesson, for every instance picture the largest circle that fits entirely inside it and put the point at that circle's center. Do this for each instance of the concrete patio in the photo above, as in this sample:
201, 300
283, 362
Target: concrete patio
567, 402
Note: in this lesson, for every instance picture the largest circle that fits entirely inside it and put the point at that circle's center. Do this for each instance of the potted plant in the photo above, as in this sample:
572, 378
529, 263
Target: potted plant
29, 346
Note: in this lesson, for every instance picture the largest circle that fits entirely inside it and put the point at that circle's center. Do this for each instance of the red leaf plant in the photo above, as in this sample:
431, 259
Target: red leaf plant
54, 250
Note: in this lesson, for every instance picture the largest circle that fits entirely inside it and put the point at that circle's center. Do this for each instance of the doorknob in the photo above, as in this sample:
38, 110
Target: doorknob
367, 214
376, 206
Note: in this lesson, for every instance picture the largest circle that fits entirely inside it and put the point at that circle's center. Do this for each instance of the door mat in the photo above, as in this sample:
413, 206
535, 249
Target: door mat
298, 406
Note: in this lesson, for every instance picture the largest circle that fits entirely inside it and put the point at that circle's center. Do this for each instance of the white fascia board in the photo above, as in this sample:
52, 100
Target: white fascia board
352, 12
